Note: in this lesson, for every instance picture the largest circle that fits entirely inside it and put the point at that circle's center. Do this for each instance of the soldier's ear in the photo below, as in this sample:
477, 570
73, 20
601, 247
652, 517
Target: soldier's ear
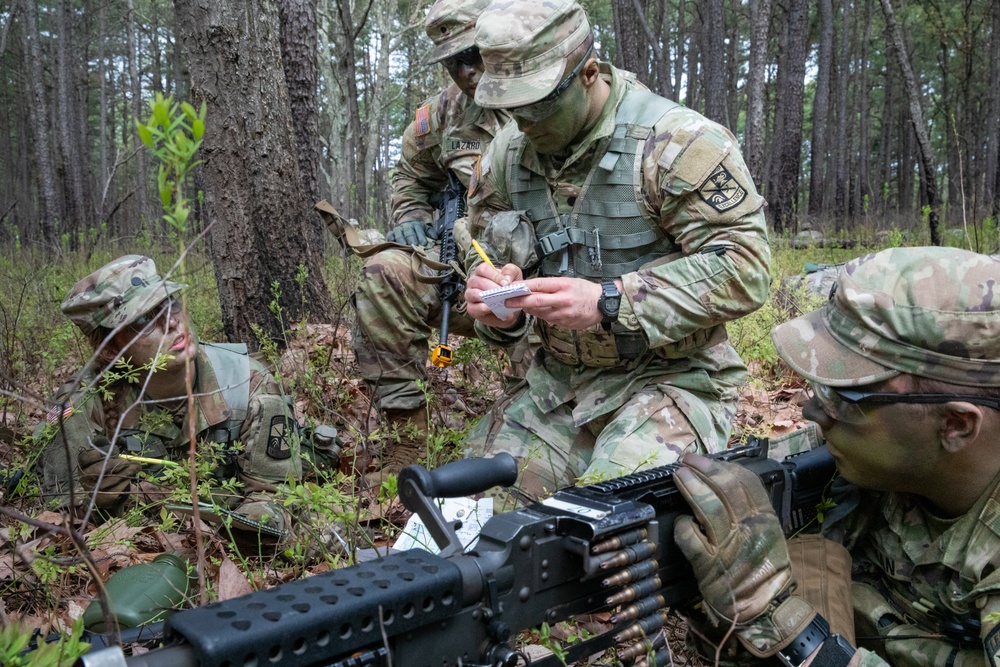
960, 425
591, 71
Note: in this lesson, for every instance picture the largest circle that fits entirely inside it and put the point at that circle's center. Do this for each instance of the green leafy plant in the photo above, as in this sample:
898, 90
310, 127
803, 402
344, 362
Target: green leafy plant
14, 640
173, 132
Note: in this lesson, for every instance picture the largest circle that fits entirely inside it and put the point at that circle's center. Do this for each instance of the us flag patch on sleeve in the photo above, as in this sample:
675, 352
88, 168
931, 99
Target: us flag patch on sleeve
63, 410
422, 122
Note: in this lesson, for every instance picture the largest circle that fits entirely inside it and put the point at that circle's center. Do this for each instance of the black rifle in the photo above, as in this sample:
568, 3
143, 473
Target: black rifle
452, 209
583, 551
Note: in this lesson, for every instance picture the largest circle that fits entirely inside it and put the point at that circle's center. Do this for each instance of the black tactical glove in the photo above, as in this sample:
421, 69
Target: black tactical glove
412, 232
110, 487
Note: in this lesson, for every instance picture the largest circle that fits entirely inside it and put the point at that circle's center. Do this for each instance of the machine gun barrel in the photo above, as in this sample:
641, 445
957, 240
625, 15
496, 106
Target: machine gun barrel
541, 564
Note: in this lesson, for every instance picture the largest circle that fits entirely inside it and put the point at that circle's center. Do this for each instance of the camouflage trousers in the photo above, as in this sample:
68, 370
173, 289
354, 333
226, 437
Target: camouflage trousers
658, 419
396, 316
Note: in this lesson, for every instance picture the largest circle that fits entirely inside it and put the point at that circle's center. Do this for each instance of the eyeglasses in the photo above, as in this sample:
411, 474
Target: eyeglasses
166, 308
470, 57
845, 404
545, 107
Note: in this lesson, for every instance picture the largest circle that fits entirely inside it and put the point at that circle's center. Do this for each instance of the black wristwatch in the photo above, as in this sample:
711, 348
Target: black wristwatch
805, 643
609, 303
835, 652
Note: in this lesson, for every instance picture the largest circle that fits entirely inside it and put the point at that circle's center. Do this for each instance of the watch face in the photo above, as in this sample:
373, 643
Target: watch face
610, 302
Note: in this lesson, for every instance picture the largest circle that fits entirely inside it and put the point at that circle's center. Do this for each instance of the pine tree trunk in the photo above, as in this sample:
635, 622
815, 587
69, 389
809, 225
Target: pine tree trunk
713, 61
821, 109
39, 118
753, 143
927, 165
784, 182
299, 53
253, 189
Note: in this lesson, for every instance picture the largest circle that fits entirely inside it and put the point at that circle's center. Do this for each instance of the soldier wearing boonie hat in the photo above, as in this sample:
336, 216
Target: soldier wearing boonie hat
127, 310
397, 302
904, 362
640, 233
117, 293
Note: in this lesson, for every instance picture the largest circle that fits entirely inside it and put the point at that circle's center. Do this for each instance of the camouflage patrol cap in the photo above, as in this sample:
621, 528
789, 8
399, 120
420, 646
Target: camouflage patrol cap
525, 45
932, 312
117, 293
451, 25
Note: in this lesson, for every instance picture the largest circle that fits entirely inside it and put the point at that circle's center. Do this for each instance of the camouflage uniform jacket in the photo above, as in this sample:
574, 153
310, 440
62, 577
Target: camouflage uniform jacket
449, 132
267, 433
929, 587
720, 272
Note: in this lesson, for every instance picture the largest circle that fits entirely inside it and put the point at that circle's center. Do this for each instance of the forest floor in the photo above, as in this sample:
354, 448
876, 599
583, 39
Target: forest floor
47, 580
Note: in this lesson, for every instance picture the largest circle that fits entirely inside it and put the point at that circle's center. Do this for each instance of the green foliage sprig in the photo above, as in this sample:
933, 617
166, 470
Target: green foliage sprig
173, 133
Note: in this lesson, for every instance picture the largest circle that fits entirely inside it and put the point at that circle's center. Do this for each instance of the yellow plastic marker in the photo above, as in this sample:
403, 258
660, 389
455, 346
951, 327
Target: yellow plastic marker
146, 459
479, 249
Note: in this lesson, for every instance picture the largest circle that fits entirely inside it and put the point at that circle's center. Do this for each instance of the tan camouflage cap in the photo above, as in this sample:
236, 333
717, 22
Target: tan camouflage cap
451, 25
524, 44
932, 312
117, 293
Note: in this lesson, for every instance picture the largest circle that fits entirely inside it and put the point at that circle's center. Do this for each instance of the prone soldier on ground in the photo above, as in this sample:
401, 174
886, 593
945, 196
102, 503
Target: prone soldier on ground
904, 364
636, 226
128, 409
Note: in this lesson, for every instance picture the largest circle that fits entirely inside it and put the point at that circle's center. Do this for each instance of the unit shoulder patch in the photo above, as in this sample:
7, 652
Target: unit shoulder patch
722, 191
279, 445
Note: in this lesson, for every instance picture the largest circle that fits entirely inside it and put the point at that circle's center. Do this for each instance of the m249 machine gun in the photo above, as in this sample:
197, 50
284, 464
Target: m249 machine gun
606, 547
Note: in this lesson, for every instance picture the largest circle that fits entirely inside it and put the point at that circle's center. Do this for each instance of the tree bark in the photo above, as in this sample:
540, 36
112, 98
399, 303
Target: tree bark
993, 128
141, 176
753, 142
347, 28
39, 118
864, 117
927, 165
73, 165
299, 54
784, 183
821, 109
254, 198
713, 36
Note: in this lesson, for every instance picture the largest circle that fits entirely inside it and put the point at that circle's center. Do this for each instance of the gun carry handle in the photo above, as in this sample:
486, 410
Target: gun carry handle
461, 478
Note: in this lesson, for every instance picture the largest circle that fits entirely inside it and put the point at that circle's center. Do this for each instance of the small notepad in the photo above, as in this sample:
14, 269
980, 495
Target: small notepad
496, 298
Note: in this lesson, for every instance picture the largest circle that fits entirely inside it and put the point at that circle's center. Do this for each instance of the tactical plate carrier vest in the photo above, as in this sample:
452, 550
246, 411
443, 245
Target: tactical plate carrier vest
606, 235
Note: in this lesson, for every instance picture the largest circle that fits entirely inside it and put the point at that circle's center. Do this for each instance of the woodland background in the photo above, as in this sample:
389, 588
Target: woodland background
867, 114
866, 124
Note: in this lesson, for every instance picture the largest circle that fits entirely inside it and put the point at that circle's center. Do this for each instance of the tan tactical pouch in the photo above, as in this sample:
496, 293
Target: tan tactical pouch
822, 569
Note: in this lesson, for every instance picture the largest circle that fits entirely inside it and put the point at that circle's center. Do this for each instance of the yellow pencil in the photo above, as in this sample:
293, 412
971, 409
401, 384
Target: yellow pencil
479, 249
145, 459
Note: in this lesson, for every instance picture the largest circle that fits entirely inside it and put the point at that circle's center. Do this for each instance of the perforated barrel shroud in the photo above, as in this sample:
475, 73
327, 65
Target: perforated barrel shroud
326, 616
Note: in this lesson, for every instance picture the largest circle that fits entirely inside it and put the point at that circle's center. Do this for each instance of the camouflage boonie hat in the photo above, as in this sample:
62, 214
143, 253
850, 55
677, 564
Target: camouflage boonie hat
932, 312
524, 44
117, 293
451, 25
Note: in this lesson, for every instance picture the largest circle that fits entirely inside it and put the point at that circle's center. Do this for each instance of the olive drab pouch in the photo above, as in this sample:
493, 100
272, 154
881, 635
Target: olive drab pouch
510, 237
822, 569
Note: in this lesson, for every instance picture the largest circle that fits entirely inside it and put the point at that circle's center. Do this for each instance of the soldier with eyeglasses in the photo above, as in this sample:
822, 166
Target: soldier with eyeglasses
904, 365
635, 224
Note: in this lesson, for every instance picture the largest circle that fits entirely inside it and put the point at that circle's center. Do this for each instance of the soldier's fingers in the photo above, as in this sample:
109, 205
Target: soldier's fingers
709, 509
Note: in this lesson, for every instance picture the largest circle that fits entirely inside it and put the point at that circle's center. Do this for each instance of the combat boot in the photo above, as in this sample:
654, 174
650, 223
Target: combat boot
404, 442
